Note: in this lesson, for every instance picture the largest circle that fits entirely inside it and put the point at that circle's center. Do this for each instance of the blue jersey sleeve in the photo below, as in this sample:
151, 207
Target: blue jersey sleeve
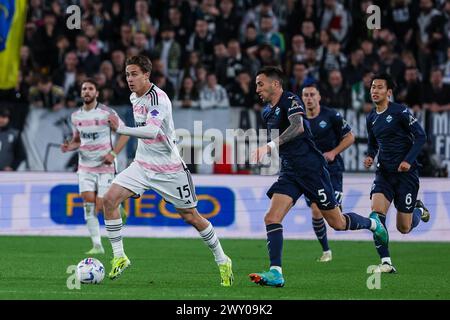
372, 145
410, 123
295, 106
340, 126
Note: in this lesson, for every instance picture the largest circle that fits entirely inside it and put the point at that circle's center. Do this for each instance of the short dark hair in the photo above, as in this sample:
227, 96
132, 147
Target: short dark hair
4, 112
91, 81
142, 61
272, 72
386, 77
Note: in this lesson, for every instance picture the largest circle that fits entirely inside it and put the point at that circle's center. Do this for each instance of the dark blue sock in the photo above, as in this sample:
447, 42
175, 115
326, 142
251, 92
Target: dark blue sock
275, 243
321, 232
416, 214
383, 251
356, 222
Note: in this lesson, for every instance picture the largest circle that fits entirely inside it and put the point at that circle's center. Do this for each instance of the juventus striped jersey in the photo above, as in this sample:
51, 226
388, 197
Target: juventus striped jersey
154, 110
96, 138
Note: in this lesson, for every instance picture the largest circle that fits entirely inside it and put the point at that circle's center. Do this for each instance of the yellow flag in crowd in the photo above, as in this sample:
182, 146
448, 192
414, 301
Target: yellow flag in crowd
12, 24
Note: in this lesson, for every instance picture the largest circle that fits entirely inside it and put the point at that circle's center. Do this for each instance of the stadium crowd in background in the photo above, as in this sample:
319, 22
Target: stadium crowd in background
205, 53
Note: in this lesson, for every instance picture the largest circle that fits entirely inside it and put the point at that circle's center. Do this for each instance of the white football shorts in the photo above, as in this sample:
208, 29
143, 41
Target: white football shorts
97, 182
176, 188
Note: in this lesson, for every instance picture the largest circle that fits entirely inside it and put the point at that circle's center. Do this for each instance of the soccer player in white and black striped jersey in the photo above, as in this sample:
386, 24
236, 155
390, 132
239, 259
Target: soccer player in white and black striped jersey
157, 165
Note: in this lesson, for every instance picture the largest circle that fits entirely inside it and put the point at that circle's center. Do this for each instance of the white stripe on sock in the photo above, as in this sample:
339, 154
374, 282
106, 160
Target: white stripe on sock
210, 238
115, 237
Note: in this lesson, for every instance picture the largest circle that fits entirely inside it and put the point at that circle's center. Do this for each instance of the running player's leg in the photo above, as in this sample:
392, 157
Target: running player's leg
280, 205
88, 188
283, 194
178, 189
104, 182
209, 237
130, 182
408, 213
319, 189
380, 207
320, 230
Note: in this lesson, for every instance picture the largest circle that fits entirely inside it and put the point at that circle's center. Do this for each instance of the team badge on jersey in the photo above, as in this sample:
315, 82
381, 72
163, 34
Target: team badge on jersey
277, 111
322, 124
389, 118
154, 113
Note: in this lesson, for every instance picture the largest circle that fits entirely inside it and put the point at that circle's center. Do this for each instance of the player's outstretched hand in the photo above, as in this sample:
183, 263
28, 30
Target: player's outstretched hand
113, 121
368, 162
404, 167
259, 154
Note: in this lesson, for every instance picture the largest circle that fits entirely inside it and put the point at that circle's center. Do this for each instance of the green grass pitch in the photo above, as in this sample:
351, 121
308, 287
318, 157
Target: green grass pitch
184, 269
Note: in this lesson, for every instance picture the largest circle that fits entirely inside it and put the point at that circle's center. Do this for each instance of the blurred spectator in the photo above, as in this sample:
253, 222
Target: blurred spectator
390, 63
96, 46
126, 38
200, 77
401, 20
202, 41
250, 44
447, 66
297, 52
86, 58
430, 37
11, 148
189, 68
233, 64
142, 43
411, 93
242, 92
180, 28
188, 96
267, 34
118, 61
65, 75
44, 43
209, 12
169, 51
353, 73
370, 56
299, 78
73, 98
227, 23
361, 99
335, 94
107, 69
101, 20
143, 21
308, 31
46, 95
266, 56
254, 15
213, 95
436, 93
331, 58
336, 19
163, 83
63, 46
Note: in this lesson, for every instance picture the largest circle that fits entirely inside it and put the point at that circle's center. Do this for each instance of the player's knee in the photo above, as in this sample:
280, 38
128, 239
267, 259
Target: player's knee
109, 202
271, 218
403, 228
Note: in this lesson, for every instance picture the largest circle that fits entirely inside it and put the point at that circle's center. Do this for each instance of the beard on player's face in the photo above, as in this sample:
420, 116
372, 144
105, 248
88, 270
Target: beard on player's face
88, 99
